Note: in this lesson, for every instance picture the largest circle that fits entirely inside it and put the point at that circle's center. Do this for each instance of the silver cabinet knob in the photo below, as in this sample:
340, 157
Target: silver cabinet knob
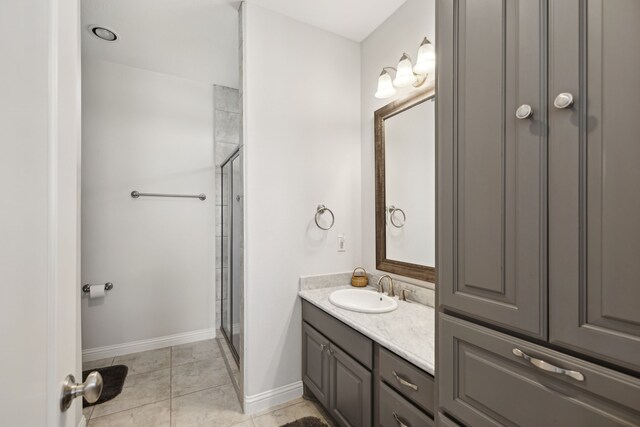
563, 100
91, 389
524, 112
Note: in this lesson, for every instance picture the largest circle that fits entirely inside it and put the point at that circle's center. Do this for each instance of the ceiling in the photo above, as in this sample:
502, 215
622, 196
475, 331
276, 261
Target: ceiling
192, 39
198, 39
353, 19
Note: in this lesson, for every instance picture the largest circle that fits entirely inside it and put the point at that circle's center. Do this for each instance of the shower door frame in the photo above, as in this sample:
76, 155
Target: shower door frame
234, 155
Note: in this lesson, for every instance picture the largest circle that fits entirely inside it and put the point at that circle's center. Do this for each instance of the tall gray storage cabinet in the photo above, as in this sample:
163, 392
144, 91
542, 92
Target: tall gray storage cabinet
539, 212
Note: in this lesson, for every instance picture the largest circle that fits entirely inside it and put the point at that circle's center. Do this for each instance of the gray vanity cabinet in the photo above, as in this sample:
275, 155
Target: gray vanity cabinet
503, 185
594, 180
339, 382
539, 215
357, 381
350, 395
485, 381
315, 363
491, 165
337, 364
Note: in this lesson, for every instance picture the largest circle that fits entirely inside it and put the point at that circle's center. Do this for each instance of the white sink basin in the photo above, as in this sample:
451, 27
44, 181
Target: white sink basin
363, 301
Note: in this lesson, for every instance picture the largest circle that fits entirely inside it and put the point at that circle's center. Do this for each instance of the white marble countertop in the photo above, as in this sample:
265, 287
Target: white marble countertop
408, 331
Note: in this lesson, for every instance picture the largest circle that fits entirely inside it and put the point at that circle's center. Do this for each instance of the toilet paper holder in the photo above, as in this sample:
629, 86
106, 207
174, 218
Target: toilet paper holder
107, 287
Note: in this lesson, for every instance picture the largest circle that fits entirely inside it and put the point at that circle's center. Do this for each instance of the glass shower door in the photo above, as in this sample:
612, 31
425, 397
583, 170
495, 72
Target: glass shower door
232, 251
225, 324
237, 258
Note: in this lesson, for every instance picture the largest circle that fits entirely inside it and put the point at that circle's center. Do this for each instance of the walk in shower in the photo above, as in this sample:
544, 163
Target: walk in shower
232, 249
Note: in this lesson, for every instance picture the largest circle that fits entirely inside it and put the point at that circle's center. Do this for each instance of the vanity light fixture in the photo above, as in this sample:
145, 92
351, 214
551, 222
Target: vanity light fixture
426, 60
385, 84
407, 74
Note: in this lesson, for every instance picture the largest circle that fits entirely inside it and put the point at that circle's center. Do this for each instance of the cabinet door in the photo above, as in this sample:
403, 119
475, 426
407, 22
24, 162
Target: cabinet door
315, 363
492, 173
484, 380
350, 395
594, 179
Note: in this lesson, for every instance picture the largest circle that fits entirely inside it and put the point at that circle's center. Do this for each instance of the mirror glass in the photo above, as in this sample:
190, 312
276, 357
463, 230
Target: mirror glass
410, 185
406, 187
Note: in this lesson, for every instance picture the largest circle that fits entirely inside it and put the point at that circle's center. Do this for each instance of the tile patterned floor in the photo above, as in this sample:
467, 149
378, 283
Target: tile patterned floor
183, 386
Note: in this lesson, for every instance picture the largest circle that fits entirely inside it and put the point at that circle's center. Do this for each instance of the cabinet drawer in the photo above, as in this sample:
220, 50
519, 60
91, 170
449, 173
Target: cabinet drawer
408, 380
395, 410
348, 339
484, 383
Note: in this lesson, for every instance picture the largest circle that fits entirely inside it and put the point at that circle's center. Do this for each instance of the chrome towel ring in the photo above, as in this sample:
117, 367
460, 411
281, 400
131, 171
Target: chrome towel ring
392, 211
322, 209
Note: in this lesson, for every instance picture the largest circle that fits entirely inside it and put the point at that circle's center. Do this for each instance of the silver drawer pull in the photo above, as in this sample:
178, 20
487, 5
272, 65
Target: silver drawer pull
546, 366
405, 382
399, 421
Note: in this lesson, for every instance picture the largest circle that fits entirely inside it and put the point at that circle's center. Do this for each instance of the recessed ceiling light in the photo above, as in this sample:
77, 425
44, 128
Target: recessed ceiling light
104, 34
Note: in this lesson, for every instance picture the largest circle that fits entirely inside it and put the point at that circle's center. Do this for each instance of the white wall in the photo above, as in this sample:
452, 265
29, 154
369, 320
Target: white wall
402, 32
302, 148
153, 133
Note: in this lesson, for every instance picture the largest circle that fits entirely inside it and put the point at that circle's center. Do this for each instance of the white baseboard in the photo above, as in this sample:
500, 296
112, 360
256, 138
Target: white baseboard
268, 399
83, 422
97, 353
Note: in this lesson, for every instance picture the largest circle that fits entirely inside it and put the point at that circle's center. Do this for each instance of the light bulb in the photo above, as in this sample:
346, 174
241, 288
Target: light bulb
426, 60
405, 76
385, 86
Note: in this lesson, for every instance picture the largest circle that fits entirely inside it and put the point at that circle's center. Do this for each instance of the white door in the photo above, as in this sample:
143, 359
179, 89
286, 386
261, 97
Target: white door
39, 210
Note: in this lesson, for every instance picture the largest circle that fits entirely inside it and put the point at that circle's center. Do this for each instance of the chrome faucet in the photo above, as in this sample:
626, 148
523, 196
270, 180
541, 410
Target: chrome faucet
381, 285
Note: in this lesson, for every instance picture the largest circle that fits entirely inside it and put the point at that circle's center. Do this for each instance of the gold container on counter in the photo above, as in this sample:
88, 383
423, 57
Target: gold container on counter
359, 281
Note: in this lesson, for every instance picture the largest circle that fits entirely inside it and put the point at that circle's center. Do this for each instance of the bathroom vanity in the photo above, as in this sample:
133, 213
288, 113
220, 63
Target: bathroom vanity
369, 369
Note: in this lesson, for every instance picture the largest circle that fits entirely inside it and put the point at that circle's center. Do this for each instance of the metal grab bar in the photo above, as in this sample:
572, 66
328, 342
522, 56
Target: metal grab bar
135, 194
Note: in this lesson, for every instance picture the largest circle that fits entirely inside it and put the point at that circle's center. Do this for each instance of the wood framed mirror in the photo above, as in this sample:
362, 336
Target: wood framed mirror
405, 186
